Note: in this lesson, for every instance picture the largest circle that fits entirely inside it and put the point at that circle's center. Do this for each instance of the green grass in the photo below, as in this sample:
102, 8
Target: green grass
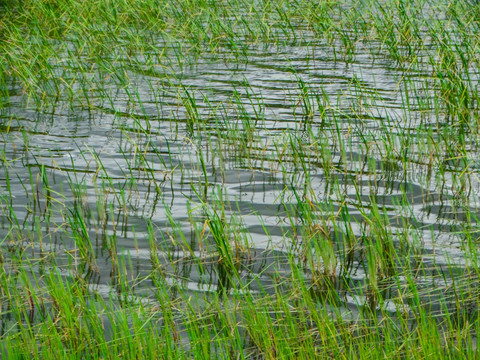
239, 179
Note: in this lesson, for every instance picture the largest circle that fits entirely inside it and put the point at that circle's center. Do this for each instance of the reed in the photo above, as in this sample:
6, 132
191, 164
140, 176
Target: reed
239, 179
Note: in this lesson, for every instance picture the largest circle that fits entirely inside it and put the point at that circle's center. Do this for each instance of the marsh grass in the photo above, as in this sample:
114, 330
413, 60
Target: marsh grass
316, 211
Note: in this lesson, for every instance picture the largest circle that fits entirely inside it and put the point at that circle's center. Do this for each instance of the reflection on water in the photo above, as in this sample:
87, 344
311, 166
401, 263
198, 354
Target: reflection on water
292, 125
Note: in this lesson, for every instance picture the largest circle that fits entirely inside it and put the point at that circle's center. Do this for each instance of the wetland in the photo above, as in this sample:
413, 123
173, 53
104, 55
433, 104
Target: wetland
239, 179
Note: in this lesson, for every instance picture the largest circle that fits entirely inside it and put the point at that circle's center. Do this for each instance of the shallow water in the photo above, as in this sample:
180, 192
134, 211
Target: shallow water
233, 132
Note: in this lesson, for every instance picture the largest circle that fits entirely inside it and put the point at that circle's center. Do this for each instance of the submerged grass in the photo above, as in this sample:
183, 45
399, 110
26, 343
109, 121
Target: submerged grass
309, 210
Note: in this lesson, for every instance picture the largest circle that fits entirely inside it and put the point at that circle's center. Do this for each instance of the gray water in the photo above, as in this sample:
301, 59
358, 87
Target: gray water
138, 157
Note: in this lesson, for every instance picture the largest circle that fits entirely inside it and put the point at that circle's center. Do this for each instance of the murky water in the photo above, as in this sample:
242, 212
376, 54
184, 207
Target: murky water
233, 133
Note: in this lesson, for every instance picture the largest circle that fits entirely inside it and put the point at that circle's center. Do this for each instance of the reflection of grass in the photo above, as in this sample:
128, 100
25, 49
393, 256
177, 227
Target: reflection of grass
357, 272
